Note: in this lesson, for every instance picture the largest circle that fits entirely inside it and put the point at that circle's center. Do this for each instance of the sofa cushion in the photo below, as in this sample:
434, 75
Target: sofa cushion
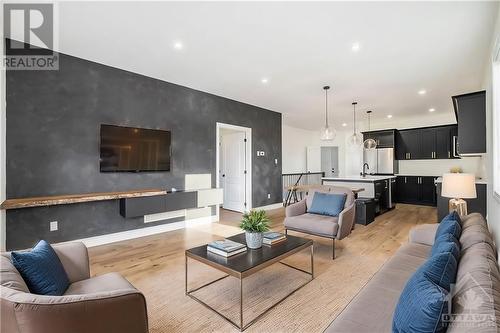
102, 283
472, 219
420, 305
450, 224
42, 270
313, 223
476, 297
10, 277
475, 234
327, 204
373, 307
446, 243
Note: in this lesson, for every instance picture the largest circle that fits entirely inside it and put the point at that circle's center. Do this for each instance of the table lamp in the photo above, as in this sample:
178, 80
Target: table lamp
459, 186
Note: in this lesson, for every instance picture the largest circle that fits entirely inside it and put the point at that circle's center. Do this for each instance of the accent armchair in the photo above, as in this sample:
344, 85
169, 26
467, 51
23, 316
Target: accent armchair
101, 304
298, 219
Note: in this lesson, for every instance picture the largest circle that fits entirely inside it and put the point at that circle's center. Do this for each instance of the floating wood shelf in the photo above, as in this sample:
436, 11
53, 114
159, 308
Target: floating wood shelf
77, 198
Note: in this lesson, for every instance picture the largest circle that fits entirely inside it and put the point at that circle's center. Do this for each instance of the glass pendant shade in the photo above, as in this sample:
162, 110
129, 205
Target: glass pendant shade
355, 139
328, 133
369, 143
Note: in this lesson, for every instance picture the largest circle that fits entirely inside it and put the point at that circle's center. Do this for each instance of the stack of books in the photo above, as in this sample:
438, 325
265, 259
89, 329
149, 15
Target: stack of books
226, 247
271, 238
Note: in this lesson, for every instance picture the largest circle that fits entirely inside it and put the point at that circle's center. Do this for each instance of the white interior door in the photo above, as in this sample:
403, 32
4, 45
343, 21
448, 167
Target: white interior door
313, 159
330, 161
233, 167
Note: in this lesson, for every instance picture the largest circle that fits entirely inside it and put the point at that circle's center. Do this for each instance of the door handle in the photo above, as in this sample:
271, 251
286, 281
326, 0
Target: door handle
449, 154
405, 180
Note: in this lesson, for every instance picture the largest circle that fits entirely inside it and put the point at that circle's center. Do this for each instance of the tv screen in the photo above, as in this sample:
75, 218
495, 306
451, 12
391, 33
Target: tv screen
129, 149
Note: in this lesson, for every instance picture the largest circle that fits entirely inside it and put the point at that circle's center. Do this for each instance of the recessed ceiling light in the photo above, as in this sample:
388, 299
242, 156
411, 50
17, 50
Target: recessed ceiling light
422, 92
344, 125
264, 80
355, 47
432, 110
389, 116
178, 45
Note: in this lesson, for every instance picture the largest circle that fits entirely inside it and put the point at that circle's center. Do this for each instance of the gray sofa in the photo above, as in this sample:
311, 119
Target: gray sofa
101, 304
298, 219
476, 292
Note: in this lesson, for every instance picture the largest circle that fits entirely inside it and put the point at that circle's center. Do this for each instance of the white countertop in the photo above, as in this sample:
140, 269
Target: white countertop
367, 179
478, 180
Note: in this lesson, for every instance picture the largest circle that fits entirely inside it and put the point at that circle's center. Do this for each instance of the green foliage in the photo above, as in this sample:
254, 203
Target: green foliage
255, 221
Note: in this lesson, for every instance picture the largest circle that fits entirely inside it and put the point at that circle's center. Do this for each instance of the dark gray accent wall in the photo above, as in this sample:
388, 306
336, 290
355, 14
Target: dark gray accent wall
53, 121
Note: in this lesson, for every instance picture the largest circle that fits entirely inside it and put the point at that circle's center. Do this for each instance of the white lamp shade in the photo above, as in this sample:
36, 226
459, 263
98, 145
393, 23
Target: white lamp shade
459, 186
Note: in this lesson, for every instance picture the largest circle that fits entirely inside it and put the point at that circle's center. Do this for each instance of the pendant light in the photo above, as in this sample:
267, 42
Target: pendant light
355, 139
327, 133
369, 143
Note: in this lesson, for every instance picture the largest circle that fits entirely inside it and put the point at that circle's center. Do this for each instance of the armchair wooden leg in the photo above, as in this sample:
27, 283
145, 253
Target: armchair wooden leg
333, 248
286, 232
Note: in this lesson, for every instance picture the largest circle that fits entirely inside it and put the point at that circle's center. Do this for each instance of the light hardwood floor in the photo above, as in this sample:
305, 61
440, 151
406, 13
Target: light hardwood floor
155, 265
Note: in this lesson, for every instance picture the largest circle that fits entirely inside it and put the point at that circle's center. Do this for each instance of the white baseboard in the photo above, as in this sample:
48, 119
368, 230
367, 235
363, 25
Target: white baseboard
270, 207
142, 232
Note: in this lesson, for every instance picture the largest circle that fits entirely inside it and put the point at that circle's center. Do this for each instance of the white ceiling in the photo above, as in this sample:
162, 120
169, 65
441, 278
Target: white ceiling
230, 46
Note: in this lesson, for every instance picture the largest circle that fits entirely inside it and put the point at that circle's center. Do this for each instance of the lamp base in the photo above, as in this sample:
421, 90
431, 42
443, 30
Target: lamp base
458, 205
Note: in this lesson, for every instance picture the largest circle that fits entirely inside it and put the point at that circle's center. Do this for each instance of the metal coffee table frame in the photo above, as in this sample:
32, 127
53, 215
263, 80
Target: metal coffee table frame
242, 275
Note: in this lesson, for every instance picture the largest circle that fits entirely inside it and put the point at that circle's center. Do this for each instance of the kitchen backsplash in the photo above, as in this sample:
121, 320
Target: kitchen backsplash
473, 165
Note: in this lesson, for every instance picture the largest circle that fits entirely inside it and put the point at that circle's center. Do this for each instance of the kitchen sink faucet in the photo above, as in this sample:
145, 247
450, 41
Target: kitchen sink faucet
363, 174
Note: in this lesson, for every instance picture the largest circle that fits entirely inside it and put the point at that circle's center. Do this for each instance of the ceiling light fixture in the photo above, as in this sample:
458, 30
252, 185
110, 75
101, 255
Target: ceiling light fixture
264, 80
178, 45
432, 110
355, 47
355, 139
389, 116
327, 133
344, 125
422, 92
369, 143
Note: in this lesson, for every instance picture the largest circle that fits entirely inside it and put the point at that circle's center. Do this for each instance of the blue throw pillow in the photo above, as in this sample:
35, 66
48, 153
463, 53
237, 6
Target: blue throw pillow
446, 243
42, 270
327, 204
450, 225
420, 306
441, 269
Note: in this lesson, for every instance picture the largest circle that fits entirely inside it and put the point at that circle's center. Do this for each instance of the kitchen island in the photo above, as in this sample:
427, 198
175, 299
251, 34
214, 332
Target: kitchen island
379, 188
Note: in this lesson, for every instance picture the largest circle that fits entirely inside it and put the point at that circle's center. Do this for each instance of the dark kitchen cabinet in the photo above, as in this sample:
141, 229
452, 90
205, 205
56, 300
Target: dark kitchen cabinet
384, 139
444, 141
408, 144
470, 110
425, 143
382, 195
477, 205
417, 190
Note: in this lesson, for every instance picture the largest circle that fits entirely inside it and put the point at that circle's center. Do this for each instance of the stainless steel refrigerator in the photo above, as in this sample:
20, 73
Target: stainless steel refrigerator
380, 161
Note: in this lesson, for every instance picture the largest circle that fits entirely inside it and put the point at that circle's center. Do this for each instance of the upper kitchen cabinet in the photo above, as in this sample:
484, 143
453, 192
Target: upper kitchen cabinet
425, 143
470, 110
384, 139
408, 144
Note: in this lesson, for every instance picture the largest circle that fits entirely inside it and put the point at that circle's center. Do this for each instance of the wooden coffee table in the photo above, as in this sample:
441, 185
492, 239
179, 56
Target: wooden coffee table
247, 263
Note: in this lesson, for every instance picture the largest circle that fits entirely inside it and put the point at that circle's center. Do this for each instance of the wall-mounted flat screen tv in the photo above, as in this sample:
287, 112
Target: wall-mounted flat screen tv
130, 149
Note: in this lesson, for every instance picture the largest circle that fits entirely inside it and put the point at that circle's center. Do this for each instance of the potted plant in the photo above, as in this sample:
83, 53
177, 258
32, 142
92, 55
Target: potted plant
255, 223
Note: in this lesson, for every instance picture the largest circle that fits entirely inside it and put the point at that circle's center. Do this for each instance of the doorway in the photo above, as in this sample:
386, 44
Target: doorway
234, 166
330, 161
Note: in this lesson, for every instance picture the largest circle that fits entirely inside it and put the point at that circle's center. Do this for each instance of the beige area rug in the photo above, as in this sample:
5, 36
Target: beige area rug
311, 309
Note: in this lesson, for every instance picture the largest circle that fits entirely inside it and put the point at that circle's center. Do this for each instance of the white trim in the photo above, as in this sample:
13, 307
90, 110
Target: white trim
142, 232
270, 207
249, 156
3, 135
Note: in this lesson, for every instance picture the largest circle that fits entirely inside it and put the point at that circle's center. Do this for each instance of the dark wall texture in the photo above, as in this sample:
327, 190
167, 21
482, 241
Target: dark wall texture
53, 122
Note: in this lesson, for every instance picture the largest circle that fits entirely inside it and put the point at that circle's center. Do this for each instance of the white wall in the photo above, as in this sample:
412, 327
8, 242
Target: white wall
2, 145
493, 203
295, 142
473, 165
